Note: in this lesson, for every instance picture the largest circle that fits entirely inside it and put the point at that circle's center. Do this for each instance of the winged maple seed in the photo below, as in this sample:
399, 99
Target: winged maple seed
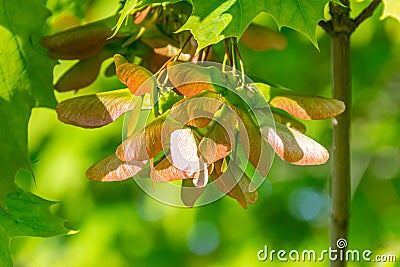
196, 137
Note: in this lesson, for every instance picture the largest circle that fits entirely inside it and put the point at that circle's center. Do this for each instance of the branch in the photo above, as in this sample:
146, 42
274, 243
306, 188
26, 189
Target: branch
325, 25
366, 13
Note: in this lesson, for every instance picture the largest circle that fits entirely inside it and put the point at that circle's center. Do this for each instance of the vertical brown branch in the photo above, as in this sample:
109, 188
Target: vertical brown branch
341, 29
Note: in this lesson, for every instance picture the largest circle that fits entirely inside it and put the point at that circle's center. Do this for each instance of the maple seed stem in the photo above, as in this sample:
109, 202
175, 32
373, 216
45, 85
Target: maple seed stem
183, 47
227, 52
240, 62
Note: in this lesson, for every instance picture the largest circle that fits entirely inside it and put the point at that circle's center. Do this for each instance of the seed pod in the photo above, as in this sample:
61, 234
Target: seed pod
138, 79
55, 54
82, 74
78, 39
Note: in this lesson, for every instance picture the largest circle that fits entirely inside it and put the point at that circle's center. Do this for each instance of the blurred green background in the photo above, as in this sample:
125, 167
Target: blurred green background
119, 225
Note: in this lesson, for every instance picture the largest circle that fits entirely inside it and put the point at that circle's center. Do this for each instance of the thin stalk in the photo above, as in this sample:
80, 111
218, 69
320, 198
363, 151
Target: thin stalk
227, 53
183, 47
340, 28
342, 90
240, 63
233, 55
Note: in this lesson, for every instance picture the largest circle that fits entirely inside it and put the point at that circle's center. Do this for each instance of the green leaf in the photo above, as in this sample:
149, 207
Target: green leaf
25, 82
391, 8
300, 15
213, 21
26, 215
83, 73
234, 183
129, 7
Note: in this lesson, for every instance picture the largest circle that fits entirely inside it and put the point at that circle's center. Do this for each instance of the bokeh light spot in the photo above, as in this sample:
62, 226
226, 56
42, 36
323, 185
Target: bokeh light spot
203, 238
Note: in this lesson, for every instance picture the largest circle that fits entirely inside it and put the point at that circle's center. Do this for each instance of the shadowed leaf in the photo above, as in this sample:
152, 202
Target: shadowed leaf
294, 147
301, 106
79, 39
234, 183
132, 6
111, 169
95, 110
85, 54
289, 122
261, 38
250, 136
82, 74
190, 193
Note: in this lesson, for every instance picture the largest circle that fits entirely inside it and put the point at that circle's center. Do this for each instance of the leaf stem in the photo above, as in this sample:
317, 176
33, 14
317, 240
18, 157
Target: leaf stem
183, 47
240, 62
233, 55
227, 53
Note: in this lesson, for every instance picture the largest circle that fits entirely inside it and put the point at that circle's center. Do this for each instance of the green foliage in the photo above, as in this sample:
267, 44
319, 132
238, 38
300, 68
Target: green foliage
167, 100
212, 21
25, 82
26, 215
73, 7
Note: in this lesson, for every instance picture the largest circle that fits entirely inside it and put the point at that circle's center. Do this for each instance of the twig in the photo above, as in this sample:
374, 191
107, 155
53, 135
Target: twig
325, 25
366, 13
206, 53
